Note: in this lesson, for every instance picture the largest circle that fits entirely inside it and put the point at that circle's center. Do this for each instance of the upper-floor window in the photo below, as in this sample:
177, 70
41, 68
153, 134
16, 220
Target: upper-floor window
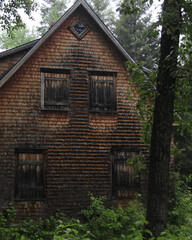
55, 88
30, 177
102, 91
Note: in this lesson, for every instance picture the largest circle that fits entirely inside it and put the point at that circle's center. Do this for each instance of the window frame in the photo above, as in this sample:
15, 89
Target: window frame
42, 164
102, 107
55, 106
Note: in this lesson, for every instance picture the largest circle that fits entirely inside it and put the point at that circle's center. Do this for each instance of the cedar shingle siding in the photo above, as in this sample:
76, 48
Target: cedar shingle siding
64, 113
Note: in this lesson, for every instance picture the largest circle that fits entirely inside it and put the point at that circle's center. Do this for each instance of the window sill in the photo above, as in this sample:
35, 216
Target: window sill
123, 198
30, 200
54, 110
103, 111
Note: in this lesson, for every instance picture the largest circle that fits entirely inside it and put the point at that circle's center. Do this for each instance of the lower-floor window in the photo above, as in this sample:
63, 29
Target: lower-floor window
125, 181
29, 184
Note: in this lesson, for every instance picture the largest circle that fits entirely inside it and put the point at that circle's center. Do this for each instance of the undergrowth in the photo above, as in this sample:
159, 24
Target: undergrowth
101, 223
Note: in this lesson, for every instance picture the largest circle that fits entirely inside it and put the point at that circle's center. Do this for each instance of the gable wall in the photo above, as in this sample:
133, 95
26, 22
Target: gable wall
78, 142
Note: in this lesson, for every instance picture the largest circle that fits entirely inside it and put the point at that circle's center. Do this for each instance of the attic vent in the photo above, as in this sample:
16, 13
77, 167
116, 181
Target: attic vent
79, 29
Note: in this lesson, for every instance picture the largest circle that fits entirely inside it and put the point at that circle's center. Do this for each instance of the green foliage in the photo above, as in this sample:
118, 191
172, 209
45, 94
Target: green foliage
71, 230
6, 220
146, 90
168, 73
29, 229
129, 7
8, 217
182, 211
52, 228
19, 36
106, 223
183, 156
103, 9
10, 18
139, 162
51, 11
180, 217
183, 93
146, 81
138, 35
103, 223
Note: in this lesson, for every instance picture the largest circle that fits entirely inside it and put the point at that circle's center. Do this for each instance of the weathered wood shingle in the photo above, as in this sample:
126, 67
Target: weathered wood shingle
77, 142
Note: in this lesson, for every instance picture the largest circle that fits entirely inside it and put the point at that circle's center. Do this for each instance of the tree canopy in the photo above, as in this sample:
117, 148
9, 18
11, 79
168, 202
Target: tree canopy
51, 11
10, 18
104, 10
20, 36
139, 35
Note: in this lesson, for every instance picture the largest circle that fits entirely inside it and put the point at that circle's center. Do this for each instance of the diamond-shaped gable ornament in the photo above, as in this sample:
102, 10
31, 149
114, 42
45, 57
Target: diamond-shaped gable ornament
79, 28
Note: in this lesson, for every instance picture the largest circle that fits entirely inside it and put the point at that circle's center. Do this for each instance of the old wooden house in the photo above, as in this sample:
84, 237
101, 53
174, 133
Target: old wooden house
67, 126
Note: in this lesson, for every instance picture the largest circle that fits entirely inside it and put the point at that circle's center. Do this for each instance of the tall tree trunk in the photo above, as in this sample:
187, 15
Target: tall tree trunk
158, 191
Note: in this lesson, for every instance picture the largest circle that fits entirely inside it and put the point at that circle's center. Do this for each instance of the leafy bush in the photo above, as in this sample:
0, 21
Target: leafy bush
52, 228
180, 218
182, 211
28, 230
103, 223
71, 230
106, 223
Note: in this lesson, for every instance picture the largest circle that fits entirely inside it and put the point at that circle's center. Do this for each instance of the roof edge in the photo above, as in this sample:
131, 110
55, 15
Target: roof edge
18, 48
